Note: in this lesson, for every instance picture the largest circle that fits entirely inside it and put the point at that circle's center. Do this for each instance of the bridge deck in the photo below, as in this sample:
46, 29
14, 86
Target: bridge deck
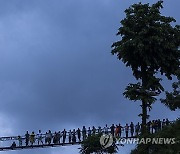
38, 146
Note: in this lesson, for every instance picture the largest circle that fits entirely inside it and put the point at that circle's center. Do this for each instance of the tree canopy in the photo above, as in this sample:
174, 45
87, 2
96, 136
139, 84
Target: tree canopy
148, 39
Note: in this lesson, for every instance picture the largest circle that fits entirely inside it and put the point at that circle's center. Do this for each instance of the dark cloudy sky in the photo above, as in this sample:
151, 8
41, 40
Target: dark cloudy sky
56, 69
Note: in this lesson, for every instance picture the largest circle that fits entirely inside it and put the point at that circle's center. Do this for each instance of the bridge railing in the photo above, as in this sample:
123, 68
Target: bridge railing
16, 139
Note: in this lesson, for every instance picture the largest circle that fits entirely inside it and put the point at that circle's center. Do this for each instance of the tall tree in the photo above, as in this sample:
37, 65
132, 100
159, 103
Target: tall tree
149, 45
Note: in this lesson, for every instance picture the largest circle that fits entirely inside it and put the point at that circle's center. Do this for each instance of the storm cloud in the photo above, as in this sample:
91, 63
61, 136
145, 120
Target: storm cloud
57, 71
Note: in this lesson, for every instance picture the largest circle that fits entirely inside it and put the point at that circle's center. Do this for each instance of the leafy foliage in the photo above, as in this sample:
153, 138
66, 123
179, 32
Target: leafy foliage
137, 92
92, 145
148, 39
166, 132
173, 98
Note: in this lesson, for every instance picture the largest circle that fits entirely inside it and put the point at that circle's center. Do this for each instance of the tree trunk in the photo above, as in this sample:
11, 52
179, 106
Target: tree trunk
144, 117
144, 103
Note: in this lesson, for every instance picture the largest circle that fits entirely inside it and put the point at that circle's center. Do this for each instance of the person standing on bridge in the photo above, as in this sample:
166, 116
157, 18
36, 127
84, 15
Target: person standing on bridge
13, 145
112, 129
58, 137
27, 138
79, 134
55, 138
20, 140
163, 123
64, 136
126, 130
89, 132
84, 132
117, 131
46, 138
156, 126
74, 136
93, 130
132, 129
149, 126
39, 137
137, 129
159, 124
153, 126
120, 130
49, 137
106, 129
99, 130
167, 122
32, 138
70, 136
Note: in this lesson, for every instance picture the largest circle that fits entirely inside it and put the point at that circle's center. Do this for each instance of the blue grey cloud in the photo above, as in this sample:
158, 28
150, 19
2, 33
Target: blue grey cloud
56, 70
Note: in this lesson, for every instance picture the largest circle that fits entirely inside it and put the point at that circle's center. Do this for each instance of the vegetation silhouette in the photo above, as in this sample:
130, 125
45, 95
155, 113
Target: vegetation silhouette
149, 45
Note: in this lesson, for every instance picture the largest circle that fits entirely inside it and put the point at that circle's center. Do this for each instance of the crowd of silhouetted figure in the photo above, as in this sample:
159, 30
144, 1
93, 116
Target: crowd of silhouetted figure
76, 136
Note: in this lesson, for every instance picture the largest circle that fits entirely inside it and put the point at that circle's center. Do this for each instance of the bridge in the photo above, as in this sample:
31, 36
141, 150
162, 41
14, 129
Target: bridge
18, 142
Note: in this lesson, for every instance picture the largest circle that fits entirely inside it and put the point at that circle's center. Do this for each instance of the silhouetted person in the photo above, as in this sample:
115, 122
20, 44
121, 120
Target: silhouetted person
163, 123
79, 134
84, 132
149, 126
89, 131
27, 138
93, 130
156, 126
32, 138
137, 129
46, 138
106, 129
64, 135
39, 137
70, 136
74, 136
167, 122
58, 137
153, 126
112, 129
49, 137
126, 130
55, 138
117, 131
13, 145
120, 130
20, 140
99, 130
159, 124
132, 129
